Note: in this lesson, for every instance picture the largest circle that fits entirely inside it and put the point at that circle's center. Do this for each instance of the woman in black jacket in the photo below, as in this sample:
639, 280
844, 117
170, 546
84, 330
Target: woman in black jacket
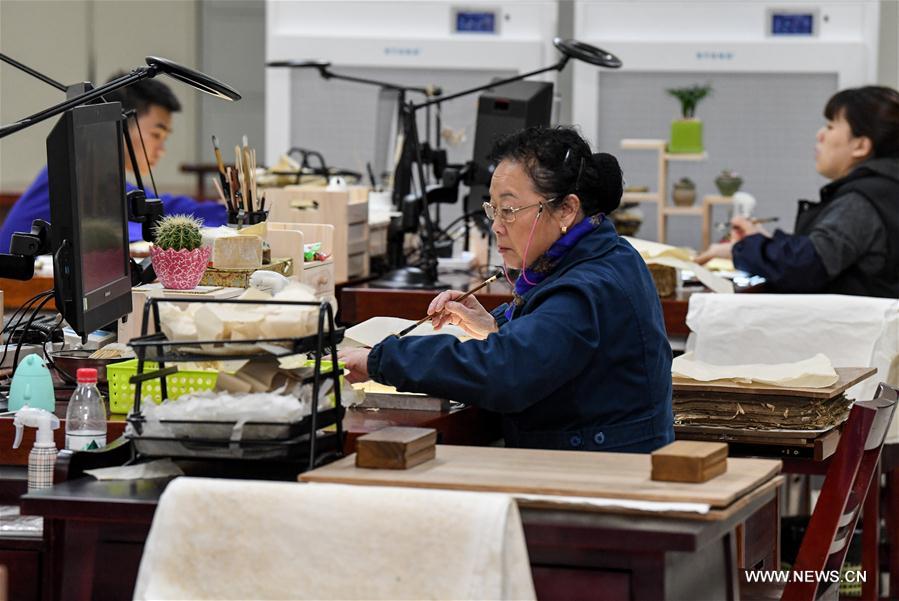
848, 242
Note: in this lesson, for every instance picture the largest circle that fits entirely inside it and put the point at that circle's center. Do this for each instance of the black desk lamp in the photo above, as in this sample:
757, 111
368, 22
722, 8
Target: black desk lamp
156, 65
401, 178
425, 276
19, 264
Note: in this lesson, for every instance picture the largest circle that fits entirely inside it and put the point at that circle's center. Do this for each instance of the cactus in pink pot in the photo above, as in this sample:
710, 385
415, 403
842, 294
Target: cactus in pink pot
179, 258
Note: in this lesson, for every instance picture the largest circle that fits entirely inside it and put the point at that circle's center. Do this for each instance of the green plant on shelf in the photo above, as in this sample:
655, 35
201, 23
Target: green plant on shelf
689, 97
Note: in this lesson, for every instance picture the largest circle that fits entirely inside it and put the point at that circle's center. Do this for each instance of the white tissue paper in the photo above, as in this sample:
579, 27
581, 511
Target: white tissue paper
223, 321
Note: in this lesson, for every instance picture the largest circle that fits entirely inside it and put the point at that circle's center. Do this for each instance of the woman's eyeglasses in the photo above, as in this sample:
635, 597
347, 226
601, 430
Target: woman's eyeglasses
507, 214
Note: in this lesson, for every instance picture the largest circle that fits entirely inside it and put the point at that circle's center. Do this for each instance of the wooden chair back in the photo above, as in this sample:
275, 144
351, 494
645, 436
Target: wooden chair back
848, 477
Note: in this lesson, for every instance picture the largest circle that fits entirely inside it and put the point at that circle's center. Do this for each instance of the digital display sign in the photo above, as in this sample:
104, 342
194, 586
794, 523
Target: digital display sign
475, 21
792, 24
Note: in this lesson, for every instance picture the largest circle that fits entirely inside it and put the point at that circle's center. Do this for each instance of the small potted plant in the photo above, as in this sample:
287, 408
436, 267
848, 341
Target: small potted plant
179, 258
684, 193
686, 133
728, 182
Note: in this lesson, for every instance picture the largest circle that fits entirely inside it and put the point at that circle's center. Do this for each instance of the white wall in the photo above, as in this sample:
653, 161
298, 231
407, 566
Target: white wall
888, 52
51, 38
77, 40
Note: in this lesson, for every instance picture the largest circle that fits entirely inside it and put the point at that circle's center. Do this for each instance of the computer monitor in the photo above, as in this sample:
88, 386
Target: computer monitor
501, 111
88, 216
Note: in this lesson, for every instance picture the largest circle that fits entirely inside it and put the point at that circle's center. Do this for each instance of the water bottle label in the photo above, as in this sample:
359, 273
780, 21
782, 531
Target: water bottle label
85, 441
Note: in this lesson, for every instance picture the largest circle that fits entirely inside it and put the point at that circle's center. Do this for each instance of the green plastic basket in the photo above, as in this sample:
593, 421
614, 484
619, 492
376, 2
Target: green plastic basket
121, 390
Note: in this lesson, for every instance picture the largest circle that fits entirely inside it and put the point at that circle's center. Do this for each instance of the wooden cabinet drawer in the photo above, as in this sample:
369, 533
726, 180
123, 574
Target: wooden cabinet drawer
357, 212
320, 278
356, 232
357, 264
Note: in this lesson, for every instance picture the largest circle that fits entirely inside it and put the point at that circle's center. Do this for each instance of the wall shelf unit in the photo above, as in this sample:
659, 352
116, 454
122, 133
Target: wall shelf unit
660, 195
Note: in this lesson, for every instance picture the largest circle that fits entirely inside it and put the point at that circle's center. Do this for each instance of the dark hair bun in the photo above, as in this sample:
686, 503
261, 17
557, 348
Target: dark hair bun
610, 182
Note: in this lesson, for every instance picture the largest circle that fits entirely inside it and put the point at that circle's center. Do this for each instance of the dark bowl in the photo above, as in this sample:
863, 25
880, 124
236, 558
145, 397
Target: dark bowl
69, 362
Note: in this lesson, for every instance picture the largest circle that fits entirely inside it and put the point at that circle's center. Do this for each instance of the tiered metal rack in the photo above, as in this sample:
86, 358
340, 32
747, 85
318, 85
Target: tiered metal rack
304, 442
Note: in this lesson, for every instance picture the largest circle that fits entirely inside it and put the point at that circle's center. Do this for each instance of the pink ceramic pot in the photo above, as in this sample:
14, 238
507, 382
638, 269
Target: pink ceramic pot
180, 269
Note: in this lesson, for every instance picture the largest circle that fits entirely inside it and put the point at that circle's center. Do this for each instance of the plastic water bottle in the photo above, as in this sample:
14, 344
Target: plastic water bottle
86, 415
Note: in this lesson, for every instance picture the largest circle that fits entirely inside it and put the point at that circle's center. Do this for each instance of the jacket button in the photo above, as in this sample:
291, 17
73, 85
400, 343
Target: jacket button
575, 441
599, 438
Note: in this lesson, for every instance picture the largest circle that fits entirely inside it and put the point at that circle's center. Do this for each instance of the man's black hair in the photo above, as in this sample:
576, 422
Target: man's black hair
140, 95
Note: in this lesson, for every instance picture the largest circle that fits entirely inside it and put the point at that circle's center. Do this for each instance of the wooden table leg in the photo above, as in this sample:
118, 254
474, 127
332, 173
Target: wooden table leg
79, 557
871, 539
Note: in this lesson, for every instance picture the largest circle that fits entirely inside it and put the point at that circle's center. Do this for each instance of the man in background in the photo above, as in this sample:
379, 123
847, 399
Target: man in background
153, 103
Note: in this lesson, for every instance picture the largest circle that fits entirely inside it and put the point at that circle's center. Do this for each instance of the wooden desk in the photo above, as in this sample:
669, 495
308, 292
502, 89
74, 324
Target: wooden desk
580, 551
202, 171
94, 531
359, 302
16, 293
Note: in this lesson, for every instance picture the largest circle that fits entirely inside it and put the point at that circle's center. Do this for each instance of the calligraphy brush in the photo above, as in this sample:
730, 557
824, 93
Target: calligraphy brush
458, 300
221, 165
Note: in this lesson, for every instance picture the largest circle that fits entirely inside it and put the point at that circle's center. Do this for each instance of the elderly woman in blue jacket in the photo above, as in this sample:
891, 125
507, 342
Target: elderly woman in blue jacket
579, 358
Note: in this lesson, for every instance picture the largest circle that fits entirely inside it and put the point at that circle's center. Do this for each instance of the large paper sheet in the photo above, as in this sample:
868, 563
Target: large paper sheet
376, 329
815, 372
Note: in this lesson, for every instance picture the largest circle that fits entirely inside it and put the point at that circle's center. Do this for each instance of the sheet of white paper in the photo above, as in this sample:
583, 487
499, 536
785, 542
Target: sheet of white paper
816, 372
376, 329
161, 468
652, 506
650, 250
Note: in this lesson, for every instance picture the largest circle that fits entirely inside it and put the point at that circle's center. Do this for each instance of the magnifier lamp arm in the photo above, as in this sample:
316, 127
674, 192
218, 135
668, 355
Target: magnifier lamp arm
136, 75
556, 67
37, 75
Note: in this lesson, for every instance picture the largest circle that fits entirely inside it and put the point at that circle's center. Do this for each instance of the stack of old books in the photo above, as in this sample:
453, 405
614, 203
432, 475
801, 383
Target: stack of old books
805, 396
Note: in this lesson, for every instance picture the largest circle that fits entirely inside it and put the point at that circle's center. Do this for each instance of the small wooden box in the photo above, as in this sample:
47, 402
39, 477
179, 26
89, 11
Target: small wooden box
346, 210
396, 448
689, 461
665, 278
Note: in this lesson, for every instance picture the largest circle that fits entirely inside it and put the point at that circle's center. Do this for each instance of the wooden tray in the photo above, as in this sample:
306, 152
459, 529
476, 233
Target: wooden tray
849, 376
566, 473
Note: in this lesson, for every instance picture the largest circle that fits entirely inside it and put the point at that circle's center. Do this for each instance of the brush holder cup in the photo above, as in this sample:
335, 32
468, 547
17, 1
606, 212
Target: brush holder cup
242, 218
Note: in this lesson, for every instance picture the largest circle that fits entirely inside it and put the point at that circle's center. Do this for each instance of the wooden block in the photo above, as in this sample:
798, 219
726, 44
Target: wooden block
396, 448
689, 461
237, 252
409, 402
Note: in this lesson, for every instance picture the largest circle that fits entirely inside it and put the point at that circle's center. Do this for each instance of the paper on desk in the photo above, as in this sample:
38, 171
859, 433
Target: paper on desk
650, 250
372, 331
720, 264
816, 372
709, 280
161, 468
679, 258
653, 506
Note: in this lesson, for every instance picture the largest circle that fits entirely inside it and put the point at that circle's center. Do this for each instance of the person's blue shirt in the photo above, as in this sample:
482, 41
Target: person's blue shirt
35, 204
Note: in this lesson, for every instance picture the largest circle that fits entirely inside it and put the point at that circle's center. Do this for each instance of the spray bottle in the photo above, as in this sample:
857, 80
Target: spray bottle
42, 458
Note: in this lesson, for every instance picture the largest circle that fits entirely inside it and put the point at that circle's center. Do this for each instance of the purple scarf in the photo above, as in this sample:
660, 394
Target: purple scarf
545, 264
